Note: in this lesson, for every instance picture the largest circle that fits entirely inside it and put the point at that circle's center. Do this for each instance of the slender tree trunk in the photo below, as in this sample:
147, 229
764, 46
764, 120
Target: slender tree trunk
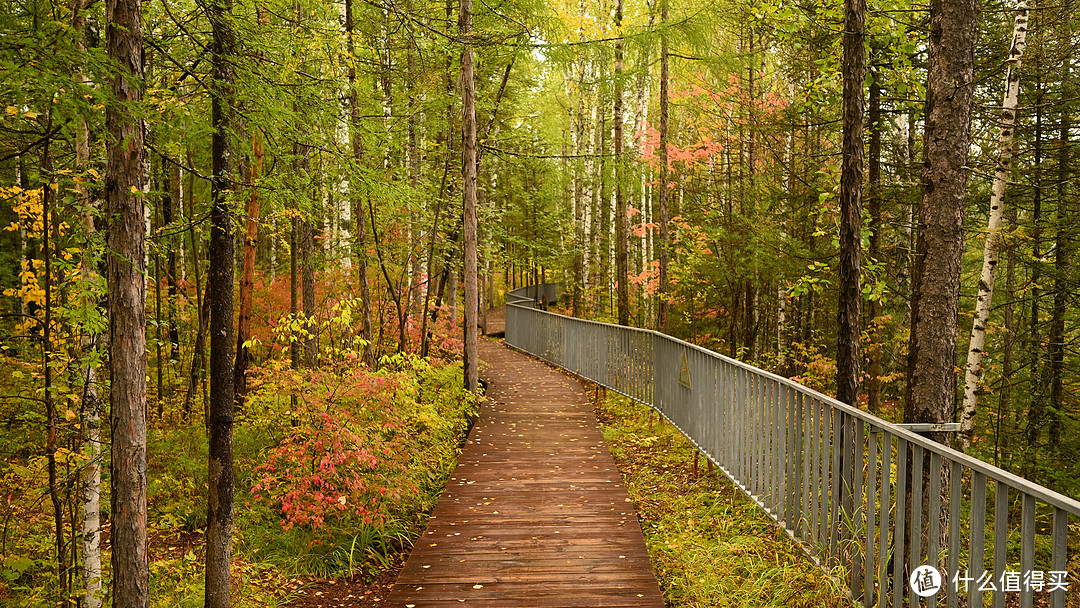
665, 194
1034, 420
1063, 249
127, 308
622, 236
360, 239
578, 248
171, 197
877, 124
47, 363
220, 517
1001, 437
88, 344
849, 308
468, 172
936, 300
247, 282
294, 289
415, 234
973, 371
307, 280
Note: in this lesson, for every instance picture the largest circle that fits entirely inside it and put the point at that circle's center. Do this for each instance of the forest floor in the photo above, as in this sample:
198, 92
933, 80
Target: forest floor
343, 592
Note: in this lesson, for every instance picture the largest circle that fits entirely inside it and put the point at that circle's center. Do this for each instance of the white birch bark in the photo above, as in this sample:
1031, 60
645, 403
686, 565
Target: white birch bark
973, 371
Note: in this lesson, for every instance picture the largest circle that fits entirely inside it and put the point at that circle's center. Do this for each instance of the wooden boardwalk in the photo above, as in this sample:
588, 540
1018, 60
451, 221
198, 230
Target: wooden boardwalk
535, 515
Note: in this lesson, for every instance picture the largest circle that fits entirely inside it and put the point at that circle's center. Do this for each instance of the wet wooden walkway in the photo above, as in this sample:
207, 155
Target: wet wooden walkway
535, 515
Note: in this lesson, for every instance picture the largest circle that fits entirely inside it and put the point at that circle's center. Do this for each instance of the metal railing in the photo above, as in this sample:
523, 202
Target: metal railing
831, 475
541, 295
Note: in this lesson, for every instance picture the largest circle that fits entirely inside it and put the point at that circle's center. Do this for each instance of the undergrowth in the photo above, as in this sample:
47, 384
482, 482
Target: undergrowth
710, 545
337, 482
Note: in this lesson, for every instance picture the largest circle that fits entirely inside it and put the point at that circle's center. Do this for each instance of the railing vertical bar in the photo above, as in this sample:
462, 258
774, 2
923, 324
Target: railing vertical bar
728, 432
739, 424
768, 498
774, 451
886, 506
759, 439
754, 472
740, 413
783, 457
933, 521
1027, 547
871, 517
976, 559
1059, 553
838, 445
823, 474
858, 563
792, 480
763, 451
898, 582
805, 454
1001, 538
825, 494
917, 481
956, 480
815, 473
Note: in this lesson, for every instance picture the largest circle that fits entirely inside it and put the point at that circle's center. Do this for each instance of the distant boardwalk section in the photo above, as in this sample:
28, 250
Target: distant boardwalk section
535, 514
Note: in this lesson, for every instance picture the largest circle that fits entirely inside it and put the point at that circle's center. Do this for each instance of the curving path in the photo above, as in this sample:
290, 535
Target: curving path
535, 515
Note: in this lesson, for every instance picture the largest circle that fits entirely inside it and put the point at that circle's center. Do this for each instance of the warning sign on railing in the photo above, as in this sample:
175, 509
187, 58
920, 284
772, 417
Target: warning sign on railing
684, 372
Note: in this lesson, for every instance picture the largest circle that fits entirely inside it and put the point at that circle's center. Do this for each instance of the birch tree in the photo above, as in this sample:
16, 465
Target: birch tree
973, 370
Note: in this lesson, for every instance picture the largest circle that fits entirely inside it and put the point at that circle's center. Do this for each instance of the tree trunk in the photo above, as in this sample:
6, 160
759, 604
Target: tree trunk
220, 517
622, 236
307, 271
247, 282
578, 248
1033, 422
1009, 343
665, 236
940, 245
973, 371
127, 308
88, 345
47, 256
877, 124
468, 173
849, 308
1063, 248
360, 240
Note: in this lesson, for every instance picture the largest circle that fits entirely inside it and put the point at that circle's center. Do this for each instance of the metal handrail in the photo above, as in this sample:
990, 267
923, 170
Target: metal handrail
828, 473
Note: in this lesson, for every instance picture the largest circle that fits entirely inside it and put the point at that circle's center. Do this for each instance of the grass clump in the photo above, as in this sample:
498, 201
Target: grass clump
710, 545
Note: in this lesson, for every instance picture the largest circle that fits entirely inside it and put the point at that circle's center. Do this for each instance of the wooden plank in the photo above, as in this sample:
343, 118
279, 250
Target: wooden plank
536, 513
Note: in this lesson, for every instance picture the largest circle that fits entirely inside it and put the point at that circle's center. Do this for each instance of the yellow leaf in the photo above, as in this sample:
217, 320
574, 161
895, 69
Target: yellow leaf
134, 190
30, 115
70, 415
12, 110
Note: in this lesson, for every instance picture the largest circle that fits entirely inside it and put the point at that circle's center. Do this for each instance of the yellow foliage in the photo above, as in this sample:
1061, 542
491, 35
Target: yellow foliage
27, 204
